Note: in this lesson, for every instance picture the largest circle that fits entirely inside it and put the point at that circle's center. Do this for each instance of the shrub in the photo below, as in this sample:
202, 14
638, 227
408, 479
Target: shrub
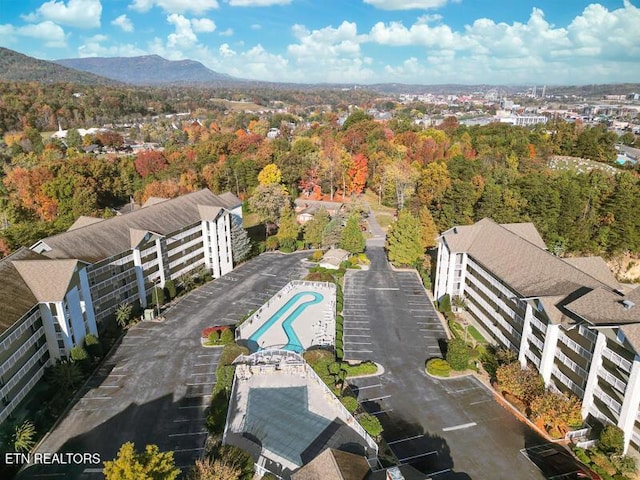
78, 353
364, 368
438, 367
93, 346
339, 353
457, 354
317, 255
371, 424
170, 288
350, 403
213, 336
445, 304
271, 243
157, 296
227, 337
611, 440
299, 245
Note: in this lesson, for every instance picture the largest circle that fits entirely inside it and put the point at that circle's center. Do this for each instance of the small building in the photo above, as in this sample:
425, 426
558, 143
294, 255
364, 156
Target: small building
333, 258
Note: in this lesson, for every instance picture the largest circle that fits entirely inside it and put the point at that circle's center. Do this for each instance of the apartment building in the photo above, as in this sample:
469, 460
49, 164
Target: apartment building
567, 317
65, 286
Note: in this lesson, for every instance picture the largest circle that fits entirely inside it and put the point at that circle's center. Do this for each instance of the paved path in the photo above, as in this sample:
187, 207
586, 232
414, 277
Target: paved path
451, 426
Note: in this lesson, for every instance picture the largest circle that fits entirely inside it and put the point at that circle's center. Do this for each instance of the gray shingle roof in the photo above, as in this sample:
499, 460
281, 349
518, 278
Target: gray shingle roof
95, 242
333, 464
47, 279
83, 221
18, 299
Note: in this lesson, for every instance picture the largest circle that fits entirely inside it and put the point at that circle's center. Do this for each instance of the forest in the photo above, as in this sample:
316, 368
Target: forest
455, 173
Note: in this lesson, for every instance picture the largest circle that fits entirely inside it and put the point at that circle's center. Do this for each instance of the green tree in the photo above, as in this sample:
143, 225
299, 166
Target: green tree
73, 138
371, 424
405, 240
332, 232
23, 438
268, 201
152, 464
314, 228
355, 117
157, 296
240, 242
207, 469
65, 375
123, 314
78, 353
611, 440
457, 354
351, 239
170, 288
288, 230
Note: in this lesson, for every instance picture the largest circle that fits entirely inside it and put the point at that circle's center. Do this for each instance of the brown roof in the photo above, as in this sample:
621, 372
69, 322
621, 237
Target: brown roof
18, 299
333, 464
231, 200
596, 267
605, 307
47, 279
95, 242
83, 221
153, 201
521, 262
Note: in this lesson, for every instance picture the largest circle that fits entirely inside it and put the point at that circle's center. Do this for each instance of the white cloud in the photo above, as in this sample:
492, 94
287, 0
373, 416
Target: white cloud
93, 48
183, 36
257, 3
407, 4
124, 23
74, 13
49, 33
226, 33
225, 50
256, 26
197, 7
203, 25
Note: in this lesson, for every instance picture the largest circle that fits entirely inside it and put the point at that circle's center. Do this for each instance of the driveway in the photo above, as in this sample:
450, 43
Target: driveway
155, 387
449, 428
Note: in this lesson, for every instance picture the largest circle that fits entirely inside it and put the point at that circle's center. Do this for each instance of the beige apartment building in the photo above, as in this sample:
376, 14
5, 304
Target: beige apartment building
567, 317
66, 285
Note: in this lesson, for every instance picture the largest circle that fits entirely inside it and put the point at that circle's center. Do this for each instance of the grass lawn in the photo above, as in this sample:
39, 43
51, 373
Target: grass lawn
477, 336
249, 220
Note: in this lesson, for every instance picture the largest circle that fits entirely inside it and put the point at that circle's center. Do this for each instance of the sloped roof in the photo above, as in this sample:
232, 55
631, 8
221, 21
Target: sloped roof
18, 298
231, 200
333, 464
596, 267
83, 221
95, 242
47, 279
605, 307
520, 262
153, 201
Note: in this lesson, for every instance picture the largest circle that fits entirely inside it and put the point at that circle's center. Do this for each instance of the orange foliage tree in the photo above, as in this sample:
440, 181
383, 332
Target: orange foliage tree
357, 174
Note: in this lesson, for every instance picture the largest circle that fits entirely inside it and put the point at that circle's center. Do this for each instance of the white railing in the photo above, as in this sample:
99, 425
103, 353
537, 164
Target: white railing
536, 341
568, 382
576, 347
539, 325
186, 258
588, 333
8, 342
610, 402
612, 380
498, 301
13, 359
616, 359
19, 375
22, 393
573, 366
489, 326
533, 357
497, 317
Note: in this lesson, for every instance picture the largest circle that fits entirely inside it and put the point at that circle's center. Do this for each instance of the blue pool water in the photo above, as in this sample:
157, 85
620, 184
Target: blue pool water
293, 342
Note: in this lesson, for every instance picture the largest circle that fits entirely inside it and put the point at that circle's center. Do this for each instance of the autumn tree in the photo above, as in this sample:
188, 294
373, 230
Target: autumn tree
405, 240
270, 174
524, 383
428, 227
150, 162
357, 174
433, 182
556, 411
351, 239
314, 228
268, 201
152, 464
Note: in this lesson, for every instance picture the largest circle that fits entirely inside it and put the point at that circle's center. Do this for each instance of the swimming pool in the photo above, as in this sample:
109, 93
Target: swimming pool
293, 342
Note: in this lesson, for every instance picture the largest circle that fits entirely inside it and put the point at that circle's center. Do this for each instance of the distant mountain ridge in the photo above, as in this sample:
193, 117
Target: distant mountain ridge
16, 67
148, 70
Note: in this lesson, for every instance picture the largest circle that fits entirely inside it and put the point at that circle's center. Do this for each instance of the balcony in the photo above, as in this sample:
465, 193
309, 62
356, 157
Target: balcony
617, 359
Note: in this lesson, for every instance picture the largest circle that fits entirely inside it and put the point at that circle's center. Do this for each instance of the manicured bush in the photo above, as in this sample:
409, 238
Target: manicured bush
339, 353
350, 403
371, 424
445, 304
170, 289
213, 336
438, 367
364, 368
457, 354
611, 440
334, 368
271, 243
93, 346
317, 255
227, 337
78, 353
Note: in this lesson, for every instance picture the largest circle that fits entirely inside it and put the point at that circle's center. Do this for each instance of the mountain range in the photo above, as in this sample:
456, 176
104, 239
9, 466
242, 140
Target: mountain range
148, 70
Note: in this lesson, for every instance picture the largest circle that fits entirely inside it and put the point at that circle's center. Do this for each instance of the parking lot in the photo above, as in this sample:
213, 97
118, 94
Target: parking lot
449, 428
155, 386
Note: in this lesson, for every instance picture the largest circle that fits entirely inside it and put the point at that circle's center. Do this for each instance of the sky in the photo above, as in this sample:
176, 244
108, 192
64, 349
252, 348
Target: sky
500, 42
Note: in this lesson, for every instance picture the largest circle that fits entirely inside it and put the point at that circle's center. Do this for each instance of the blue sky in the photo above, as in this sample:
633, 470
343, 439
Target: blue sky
522, 42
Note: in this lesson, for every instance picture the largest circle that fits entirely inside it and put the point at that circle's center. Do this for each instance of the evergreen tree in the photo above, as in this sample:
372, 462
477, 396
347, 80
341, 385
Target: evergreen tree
288, 230
73, 138
314, 228
429, 228
332, 232
404, 240
148, 465
351, 238
240, 242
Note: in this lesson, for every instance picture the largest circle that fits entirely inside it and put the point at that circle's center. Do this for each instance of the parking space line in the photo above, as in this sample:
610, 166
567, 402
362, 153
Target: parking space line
405, 439
358, 321
203, 383
186, 407
381, 411
417, 456
350, 351
196, 419
368, 386
459, 427
384, 288
376, 398
352, 335
360, 343
356, 328
187, 434
481, 401
189, 449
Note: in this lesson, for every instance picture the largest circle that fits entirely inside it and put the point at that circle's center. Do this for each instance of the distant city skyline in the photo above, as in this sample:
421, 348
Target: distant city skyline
529, 42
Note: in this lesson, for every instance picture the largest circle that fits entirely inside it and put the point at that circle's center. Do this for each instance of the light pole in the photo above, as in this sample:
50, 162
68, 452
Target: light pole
155, 287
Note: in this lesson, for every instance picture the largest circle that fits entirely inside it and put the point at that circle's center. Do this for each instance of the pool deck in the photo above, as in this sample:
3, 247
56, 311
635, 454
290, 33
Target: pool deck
314, 326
